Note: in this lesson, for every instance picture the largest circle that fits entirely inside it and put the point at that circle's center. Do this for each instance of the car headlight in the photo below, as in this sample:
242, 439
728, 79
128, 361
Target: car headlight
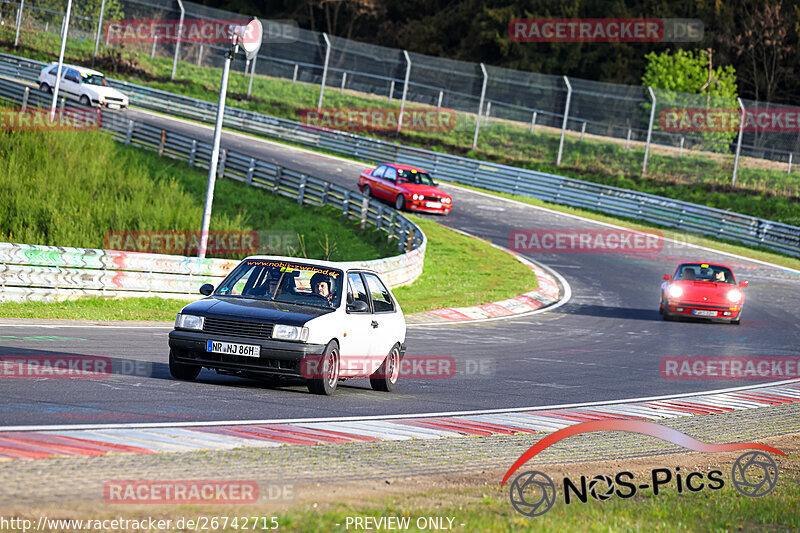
415, 196
189, 322
734, 295
675, 291
290, 333
446, 200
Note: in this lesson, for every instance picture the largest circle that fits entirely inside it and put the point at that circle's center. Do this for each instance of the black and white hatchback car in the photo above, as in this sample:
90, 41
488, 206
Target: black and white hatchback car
284, 316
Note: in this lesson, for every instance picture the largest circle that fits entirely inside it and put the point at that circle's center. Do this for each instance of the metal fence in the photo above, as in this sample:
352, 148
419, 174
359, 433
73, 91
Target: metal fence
557, 107
306, 190
552, 188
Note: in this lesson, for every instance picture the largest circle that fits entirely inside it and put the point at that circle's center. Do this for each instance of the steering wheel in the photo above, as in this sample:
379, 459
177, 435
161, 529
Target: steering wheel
321, 297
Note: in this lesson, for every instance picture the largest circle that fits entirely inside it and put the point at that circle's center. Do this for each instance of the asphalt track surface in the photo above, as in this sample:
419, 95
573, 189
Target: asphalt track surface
606, 343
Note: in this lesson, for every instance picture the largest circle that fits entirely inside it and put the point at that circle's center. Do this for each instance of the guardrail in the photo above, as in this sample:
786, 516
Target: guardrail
19, 272
659, 210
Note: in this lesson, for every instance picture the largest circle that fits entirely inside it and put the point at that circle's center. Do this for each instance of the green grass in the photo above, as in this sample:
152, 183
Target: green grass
71, 188
55, 193
696, 178
487, 508
462, 271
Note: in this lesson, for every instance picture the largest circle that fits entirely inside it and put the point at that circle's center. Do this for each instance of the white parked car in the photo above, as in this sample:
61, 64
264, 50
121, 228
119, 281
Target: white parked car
286, 316
83, 84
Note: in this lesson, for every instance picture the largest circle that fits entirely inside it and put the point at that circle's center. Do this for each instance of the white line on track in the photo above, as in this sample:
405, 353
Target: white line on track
390, 417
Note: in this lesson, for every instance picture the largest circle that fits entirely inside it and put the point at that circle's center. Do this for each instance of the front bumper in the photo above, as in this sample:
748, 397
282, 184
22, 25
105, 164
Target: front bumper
689, 309
277, 357
420, 206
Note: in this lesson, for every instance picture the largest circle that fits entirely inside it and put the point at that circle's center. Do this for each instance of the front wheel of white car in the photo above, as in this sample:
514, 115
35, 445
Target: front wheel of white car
326, 372
386, 377
85, 100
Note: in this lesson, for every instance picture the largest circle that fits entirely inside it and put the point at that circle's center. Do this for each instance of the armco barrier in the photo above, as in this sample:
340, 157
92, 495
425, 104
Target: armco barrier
552, 188
46, 273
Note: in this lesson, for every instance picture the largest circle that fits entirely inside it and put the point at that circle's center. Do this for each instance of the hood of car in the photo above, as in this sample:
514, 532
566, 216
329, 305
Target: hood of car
427, 190
704, 291
104, 91
253, 309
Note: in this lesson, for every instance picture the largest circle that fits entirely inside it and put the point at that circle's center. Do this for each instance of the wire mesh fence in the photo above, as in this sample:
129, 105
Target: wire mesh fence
558, 120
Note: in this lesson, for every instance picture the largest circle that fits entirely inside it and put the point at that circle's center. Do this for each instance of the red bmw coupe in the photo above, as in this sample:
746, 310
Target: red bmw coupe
703, 290
407, 187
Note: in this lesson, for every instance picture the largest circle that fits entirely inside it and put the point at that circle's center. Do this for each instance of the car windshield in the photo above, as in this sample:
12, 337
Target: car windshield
415, 176
704, 272
284, 281
94, 79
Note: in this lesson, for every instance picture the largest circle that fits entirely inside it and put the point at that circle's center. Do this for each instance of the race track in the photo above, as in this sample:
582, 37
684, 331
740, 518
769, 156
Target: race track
604, 344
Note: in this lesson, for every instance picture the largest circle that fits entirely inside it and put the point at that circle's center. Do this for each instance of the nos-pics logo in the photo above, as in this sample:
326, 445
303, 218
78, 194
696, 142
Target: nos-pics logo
533, 493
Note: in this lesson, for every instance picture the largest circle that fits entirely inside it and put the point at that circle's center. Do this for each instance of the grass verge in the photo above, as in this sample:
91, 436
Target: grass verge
763, 189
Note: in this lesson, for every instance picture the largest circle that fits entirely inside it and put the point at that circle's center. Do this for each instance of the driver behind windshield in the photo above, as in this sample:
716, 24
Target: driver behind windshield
321, 286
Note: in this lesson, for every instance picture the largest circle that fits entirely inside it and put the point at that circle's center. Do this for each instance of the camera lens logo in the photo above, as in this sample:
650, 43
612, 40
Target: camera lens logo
596, 492
532, 493
754, 474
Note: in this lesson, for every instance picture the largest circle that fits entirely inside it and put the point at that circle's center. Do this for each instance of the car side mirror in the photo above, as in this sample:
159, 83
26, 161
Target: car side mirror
207, 289
359, 306
667, 277
744, 283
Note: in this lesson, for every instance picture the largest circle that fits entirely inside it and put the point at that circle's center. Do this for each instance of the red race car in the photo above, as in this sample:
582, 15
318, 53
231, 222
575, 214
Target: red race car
406, 187
703, 290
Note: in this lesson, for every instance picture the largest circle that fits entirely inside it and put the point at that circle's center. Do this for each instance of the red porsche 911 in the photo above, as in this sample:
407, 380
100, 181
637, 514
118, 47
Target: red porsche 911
406, 187
702, 290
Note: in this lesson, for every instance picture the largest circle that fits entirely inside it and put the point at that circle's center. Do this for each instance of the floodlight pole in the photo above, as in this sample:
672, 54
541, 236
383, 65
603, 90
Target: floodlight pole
60, 61
19, 21
480, 107
564, 123
99, 27
739, 141
324, 70
212, 167
405, 91
649, 129
178, 40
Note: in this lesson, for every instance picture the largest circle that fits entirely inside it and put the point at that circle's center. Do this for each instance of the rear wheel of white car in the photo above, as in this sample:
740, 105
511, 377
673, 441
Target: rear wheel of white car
386, 377
85, 100
182, 370
45, 88
327, 371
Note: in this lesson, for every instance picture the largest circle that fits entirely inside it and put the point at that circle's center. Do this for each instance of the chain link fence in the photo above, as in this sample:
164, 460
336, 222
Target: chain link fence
554, 119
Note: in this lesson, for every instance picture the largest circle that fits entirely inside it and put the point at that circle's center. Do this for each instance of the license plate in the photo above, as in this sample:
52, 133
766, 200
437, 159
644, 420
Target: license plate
433, 204
232, 348
114, 106
704, 313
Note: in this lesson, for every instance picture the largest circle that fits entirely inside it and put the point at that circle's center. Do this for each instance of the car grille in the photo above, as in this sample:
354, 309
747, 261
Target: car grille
111, 99
238, 328
433, 199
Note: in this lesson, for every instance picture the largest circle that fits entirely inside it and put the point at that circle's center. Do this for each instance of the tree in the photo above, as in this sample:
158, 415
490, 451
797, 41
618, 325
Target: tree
683, 77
